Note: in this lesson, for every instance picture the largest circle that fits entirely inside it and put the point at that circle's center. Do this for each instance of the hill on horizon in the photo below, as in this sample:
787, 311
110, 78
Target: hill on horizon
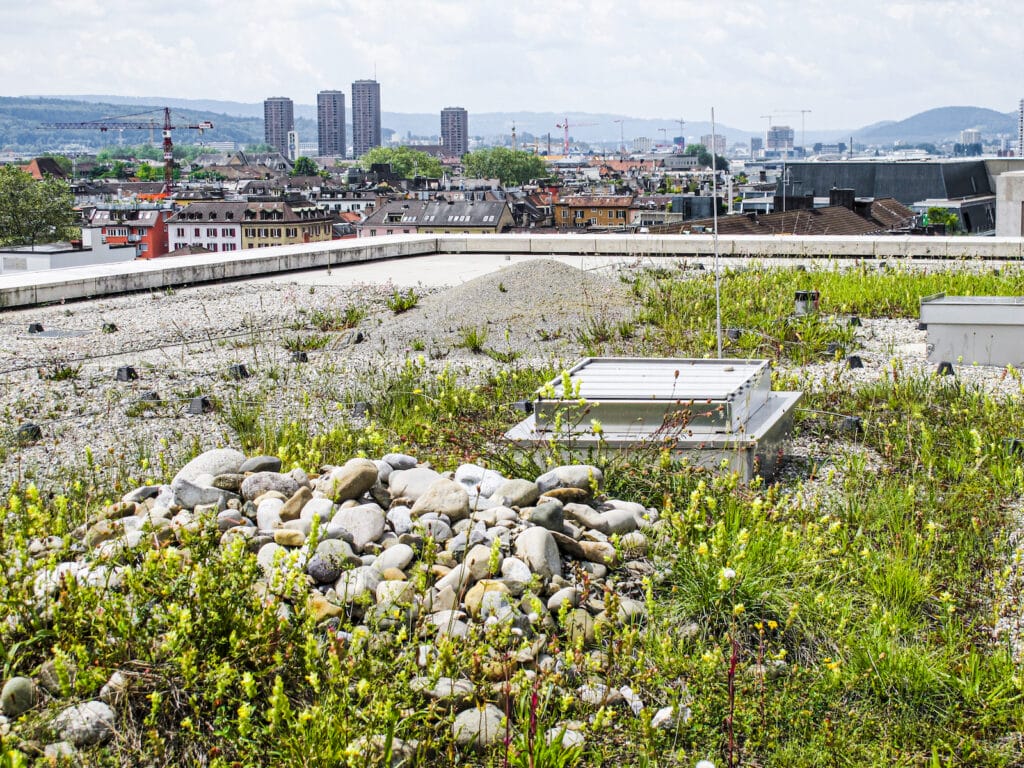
940, 124
22, 119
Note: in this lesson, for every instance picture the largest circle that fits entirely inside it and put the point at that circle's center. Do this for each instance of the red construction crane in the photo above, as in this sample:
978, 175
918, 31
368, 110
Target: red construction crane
121, 123
565, 126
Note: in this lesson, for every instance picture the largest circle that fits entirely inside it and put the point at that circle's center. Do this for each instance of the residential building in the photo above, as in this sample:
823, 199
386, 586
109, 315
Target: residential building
580, 211
970, 136
780, 139
756, 146
365, 116
41, 167
236, 225
330, 124
455, 131
143, 227
403, 217
278, 120
718, 140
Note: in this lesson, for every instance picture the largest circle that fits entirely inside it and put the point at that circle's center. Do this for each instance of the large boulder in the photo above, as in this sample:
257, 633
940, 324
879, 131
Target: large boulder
219, 461
350, 481
86, 724
444, 497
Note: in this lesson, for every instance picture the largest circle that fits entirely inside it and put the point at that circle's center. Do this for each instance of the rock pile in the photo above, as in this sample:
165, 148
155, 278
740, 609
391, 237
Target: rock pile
374, 545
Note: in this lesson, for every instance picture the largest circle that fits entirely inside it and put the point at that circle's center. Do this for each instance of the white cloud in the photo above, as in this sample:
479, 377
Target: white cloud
850, 63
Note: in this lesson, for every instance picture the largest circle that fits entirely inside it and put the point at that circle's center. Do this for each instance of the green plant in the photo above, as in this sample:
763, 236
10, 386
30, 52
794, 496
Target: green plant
60, 370
307, 342
473, 338
402, 301
330, 319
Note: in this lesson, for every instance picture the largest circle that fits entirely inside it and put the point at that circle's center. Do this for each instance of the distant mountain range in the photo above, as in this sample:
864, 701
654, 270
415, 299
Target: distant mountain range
23, 119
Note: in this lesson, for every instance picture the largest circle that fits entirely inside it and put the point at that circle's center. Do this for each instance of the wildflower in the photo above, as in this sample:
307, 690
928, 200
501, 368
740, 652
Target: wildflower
738, 609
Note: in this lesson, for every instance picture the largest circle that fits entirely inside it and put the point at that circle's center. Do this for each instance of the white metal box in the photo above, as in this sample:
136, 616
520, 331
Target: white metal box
983, 330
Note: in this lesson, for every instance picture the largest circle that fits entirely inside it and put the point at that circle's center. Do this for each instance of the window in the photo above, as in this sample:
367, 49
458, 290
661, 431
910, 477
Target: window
211, 231
230, 247
227, 232
213, 247
144, 247
180, 232
197, 232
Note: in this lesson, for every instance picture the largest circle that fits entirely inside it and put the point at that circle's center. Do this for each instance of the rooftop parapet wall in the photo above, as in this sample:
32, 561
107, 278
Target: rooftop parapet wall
33, 288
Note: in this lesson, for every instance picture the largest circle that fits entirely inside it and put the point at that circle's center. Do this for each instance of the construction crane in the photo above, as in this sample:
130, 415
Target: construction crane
622, 138
565, 126
122, 122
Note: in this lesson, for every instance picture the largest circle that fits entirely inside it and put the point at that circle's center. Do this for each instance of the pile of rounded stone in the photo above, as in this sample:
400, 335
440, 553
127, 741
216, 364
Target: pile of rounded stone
384, 543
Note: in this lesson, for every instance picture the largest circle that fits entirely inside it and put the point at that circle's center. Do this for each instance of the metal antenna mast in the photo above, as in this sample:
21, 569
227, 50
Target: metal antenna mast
714, 209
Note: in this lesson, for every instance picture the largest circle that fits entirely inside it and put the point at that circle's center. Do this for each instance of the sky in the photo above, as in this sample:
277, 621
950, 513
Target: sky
850, 63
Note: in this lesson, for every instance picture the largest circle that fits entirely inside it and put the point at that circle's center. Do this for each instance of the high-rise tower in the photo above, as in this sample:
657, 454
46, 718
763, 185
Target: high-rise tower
278, 119
455, 131
330, 123
365, 116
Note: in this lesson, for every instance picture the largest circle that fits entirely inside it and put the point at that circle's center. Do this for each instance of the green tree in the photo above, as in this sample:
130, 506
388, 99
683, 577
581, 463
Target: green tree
510, 166
63, 162
938, 215
33, 211
304, 166
704, 157
405, 161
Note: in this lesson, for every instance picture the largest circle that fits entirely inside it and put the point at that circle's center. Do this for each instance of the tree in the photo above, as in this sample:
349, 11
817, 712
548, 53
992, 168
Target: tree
34, 211
512, 167
405, 161
949, 219
64, 163
704, 157
304, 167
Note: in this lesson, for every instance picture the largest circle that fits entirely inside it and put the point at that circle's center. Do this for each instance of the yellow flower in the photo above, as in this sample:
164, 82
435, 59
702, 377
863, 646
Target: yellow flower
738, 609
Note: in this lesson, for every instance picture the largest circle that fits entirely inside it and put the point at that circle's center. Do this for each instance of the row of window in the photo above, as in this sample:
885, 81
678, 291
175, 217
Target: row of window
581, 214
210, 232
209, 246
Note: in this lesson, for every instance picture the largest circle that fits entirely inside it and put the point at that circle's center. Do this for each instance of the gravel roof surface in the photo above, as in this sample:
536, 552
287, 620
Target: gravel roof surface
183, 343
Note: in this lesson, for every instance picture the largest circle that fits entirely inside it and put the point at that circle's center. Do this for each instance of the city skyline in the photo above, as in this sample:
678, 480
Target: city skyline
849, 66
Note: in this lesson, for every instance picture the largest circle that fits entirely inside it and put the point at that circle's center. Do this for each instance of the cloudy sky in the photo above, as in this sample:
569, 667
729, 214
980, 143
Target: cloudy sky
851, 63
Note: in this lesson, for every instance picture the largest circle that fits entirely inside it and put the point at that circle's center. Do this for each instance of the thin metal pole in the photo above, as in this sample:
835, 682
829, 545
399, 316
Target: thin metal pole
714, 209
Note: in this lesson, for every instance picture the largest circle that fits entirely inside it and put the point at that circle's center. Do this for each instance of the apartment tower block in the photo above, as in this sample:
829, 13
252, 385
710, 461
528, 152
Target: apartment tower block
278, 120
330, 123
365, 116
